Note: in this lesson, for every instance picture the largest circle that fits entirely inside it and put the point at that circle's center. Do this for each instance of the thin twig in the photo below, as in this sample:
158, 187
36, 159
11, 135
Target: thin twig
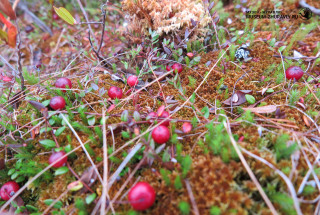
192, 199
105, 169
285, 178
246, 166
83, 147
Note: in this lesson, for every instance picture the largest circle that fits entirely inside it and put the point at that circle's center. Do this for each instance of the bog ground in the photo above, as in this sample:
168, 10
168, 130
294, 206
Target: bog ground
159, 107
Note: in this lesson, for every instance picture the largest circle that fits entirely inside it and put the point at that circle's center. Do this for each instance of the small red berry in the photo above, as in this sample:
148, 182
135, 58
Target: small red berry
151, 117
57, 155
55, 16
177, 67
161, 134
186, 127
142, 196
63, 83
190, 54
115, 92
301, 100
168, 68
164, 115
241, 139
160, 109
6, 79
294, 72
132, 80
57, 103
8, 190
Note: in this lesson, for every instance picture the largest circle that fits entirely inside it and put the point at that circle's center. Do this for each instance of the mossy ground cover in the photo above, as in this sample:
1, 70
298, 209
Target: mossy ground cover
199, 172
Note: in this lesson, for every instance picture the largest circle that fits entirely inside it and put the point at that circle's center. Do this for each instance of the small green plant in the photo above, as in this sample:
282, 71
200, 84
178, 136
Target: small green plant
184, 208
283, 151
293, 97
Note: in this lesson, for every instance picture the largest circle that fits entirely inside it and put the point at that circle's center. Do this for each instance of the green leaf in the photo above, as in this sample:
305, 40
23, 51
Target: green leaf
250, 99
31, 208
47, 143
91, 198
14, 175
45, 129
61, 170
57, 205
270, 90
184, 208
59, 131
205, 112
65, 15
91, 120
193, 97
46, 102
11, 171
282, 48
136, 116
177, 182
214, 210
3, 35
124, 116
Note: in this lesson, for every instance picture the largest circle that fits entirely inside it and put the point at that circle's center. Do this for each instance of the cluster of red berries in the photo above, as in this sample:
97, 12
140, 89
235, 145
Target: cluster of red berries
58, 102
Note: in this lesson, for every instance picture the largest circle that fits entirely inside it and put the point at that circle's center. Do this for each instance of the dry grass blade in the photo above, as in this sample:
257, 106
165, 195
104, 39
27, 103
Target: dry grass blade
285, 178
123, 164
192, 199
252, 176
83, 147
105, 194
128, 179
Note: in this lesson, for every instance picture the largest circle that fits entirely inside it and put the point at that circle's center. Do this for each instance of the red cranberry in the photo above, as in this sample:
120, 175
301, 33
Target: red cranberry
57, 155
294, 72
115, 92
177, 67
8, 190
62, 83
141, 196
190, 54
186, 127
161, 134
55, 16
57, 103
151, 117
132, 80
301, 100
168, 68
164, 115
29, 29
6, 79
241, 139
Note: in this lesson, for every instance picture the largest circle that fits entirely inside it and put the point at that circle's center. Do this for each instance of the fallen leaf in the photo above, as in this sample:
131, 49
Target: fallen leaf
65, 15
238, 98
279, 114
306, 120
6, 8
263, 109
12, 36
